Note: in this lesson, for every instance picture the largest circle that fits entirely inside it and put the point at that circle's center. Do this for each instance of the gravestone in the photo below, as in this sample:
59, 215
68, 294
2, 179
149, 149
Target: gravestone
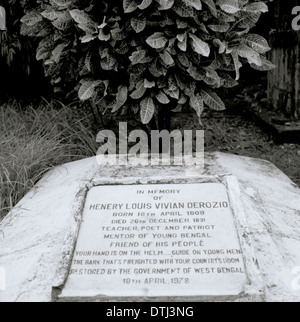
162, 241
155, 233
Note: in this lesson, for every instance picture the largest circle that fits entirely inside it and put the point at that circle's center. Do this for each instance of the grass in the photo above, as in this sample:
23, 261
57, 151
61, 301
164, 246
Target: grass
33, 140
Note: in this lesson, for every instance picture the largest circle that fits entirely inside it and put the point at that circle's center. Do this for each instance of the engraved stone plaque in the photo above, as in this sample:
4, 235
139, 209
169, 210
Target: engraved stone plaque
156, 241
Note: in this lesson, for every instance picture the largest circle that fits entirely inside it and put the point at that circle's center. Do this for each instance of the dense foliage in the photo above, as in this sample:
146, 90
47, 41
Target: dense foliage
14, 48
146, 54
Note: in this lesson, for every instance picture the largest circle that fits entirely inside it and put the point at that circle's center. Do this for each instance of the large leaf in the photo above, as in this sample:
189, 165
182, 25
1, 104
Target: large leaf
258, 43
162, 98
157, 40
195, 73
31, 19
256, 7
197, 4
183, 59
182, 9
200, 46
246, 52
212, 7
182, 41
137, 56
56, 53
266, 65
130, 5
145, 4
219, 28
147, 110
50, 14
165, 4
138, 24
45, 48
149, 84
80, 16
197, 103
121, 98
139, 91
155, 69
227, 81
211, 77
229, 6
166, 58
63, 3
212, 100
63, 22
173, 93
87, 90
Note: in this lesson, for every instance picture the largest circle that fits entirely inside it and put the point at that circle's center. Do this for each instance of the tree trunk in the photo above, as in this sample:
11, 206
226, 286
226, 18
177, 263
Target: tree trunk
283, 82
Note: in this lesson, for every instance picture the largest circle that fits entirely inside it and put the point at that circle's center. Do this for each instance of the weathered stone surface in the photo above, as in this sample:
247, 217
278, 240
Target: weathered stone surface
33, 234
158, 241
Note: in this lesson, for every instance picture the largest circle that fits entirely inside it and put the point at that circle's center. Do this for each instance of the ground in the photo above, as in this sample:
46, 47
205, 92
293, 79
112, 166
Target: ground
237, 131
237, 136
233, 132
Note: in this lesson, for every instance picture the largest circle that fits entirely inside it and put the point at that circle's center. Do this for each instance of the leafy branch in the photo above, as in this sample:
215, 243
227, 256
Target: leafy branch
144, 54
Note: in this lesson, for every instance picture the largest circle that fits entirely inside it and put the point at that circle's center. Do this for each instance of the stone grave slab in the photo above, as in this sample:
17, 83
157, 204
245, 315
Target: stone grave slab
160, 240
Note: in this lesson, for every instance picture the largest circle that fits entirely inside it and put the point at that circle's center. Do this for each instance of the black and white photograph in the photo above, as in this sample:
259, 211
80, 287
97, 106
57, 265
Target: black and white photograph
149, 154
